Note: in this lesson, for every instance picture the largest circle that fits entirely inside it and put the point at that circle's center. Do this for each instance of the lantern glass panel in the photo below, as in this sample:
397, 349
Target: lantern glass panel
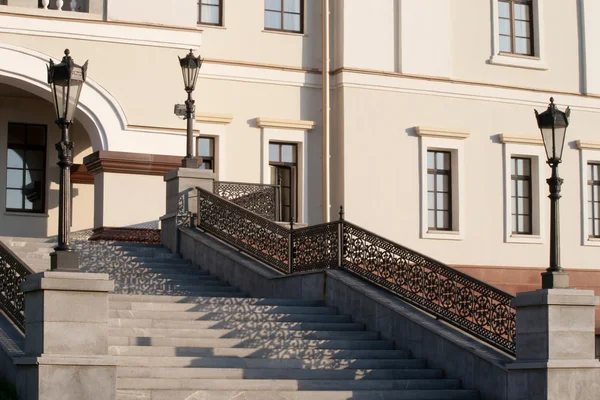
547, 135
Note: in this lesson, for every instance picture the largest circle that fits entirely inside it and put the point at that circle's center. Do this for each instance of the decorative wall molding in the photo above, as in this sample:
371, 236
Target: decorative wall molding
130, 163
587, 145
520, 139
80, 174
263, 122
214, 118
441, 132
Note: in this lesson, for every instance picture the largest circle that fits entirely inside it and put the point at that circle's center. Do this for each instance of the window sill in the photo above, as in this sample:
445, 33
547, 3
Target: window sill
210, 26
285, 33
443, 235
518, 62
24, 214
592, 241
525, 239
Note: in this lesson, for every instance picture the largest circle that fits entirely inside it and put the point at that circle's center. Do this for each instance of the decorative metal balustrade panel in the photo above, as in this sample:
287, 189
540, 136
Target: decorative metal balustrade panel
315, 247
260, 199
465, 302
244, 229
12, 274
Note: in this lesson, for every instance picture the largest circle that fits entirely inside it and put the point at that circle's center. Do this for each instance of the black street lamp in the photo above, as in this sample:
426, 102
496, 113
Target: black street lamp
66, 80
190, 66
553, 124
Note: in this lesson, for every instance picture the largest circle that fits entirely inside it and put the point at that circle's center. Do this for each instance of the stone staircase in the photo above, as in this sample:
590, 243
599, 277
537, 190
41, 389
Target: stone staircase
179, 333
35, 252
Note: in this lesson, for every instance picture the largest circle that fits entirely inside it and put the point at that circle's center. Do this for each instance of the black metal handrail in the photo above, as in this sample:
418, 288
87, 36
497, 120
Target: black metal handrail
455, 297
262, 199
13, 272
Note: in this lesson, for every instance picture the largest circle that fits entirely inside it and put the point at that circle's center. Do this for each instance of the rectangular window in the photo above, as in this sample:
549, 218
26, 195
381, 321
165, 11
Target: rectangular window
206, 150
210, 12
593, 200
26, 168
515, 23
439, 190
521, 198
284, 15
283, 164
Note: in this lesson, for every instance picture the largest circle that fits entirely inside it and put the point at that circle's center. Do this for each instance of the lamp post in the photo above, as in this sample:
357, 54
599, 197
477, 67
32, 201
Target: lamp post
66, 81
553, 125
190, 66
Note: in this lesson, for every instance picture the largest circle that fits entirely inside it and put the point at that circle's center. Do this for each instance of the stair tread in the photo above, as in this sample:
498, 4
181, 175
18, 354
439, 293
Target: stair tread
203, 299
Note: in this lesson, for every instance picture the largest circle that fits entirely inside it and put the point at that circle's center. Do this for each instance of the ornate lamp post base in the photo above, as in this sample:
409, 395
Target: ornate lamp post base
64, 260
555, 280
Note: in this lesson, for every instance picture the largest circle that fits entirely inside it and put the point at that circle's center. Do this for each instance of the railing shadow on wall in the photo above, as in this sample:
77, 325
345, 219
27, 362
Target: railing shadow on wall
455, 297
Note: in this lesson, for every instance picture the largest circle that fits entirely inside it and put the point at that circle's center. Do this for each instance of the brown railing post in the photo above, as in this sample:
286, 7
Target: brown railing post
341, 238
291, 246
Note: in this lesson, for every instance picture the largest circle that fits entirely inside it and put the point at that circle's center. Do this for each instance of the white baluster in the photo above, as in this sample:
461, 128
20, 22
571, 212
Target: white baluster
73, 5
45, 4
59, 4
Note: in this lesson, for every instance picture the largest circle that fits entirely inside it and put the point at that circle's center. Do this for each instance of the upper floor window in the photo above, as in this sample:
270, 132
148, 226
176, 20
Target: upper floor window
26, 168
210, 12
206, 150
521, 196
439, 192
284, 15
594, 200
515, 20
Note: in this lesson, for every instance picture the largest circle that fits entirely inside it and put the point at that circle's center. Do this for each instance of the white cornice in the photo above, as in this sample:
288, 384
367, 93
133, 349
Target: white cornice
263, 122
441, 132
520, 139
214, 118
587, 145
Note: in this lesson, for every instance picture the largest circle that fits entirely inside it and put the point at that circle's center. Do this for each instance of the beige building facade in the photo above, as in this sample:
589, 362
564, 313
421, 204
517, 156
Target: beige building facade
418, 92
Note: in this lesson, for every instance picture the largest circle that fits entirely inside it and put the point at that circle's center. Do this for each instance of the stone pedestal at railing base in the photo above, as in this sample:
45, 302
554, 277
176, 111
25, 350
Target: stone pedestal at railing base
555, 346
66, 340
181, 200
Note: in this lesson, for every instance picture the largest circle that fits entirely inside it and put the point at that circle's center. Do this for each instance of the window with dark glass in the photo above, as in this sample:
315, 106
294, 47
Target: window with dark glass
26, 168
515, 23
283, 164
439, 190
594, 199
284, 15
206, 150
210, 12
521, 198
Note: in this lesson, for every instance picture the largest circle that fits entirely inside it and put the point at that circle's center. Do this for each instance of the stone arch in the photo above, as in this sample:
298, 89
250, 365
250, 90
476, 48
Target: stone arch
98, 111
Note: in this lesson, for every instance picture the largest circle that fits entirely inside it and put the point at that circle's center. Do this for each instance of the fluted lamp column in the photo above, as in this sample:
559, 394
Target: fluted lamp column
190, 67
66, 80
553, 125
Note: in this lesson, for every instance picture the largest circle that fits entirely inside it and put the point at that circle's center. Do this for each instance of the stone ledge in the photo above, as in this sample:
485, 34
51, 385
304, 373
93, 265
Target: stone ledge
555, 364
189, 173
71, 281
562, 297
109, 361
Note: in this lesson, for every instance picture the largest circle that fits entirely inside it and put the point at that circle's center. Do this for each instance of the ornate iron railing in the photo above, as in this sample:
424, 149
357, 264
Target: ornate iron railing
260, 199
457, 298
13, 272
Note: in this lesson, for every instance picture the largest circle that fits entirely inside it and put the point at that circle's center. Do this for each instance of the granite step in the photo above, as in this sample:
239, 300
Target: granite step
194, 307
208, 300
242, 325
216, 316
135, 290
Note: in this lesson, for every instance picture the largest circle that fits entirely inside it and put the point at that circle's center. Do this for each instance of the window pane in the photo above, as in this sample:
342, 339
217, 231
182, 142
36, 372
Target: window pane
431, 182
523, 46
514, 205
430, 200
596, 171
291, 6
272, 20
210, 15
36, 135
523, 206
34, 159
522, 12
522, 29
273, 5
526, 168
513, 166
431, 219
515, 228
291, 22
504, 26
430, 160
288, 153
16, 134
519, 162
597, 227
505, 44
205, 147
442, 201
14, 178
213, 2
503, 9
34, 177
274, 152
589, 171
15, 158
14, 199
525, 227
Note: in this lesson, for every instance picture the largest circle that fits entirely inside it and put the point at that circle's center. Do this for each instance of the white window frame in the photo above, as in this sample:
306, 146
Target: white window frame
214, 126
537, 61
293, 132
589, 152
526, 147
453, 142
